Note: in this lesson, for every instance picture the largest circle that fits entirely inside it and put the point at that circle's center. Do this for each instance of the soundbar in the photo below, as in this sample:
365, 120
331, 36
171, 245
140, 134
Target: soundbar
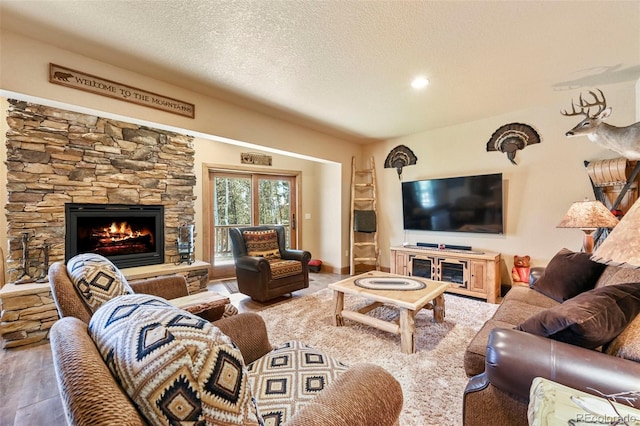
430, 245
444, 246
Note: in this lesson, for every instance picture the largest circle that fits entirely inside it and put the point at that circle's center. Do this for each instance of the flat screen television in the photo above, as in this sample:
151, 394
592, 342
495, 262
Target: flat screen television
457, 204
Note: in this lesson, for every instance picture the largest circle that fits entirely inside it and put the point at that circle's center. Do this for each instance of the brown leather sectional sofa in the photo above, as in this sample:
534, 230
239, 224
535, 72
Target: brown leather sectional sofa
502, 361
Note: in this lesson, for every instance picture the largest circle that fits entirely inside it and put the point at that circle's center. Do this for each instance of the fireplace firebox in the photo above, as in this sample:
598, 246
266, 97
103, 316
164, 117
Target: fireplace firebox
128, 235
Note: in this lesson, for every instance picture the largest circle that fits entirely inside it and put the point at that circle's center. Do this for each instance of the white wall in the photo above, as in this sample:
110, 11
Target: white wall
538, 191
318, 243
24, 66
638, 100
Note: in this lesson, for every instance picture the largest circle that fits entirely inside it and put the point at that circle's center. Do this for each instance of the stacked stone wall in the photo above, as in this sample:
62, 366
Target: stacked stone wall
56, 157
197, 281
26, 317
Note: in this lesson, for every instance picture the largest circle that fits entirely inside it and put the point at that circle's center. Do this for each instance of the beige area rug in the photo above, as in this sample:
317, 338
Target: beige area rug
432, 379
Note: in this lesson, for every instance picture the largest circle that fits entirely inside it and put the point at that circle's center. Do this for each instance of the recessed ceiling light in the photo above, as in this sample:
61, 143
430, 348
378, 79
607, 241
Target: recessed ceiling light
419, 83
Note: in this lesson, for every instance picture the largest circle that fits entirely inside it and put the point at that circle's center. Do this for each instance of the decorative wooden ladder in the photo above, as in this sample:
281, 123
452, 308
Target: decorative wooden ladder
364, 232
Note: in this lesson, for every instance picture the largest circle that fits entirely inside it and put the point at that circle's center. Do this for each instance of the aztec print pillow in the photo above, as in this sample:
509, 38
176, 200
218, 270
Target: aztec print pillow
262, 243
288, 377
96, 279
176, 367
281, 268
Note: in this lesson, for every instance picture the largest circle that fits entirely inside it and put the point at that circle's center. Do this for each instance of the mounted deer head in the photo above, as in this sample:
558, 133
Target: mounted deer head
623, 140
592, 121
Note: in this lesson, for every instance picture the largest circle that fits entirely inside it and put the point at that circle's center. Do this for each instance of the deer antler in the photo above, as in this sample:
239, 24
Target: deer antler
585, 107
601, 104
573, 111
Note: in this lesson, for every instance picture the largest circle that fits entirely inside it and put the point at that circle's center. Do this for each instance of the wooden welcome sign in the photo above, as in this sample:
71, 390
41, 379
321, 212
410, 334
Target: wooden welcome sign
101, 86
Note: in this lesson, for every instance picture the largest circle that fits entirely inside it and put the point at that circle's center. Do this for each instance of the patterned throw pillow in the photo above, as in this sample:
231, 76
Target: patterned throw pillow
288, 377
175, 366
627, 344
285, 268
262, 243
96, 279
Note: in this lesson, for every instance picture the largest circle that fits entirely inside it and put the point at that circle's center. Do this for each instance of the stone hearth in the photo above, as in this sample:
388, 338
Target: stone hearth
29, 311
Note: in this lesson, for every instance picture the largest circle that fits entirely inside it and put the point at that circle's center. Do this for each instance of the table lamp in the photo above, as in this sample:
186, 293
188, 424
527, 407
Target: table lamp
588, 216
622, 246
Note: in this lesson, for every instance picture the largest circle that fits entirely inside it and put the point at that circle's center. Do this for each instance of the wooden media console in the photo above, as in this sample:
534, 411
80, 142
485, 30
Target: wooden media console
470, 273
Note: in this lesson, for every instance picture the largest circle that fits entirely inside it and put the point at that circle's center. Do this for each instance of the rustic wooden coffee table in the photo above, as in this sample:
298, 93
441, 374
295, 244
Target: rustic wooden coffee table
409, 302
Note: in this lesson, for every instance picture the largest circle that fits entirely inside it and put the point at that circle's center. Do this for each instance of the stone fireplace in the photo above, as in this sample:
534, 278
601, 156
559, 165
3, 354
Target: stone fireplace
128, 235
57, 159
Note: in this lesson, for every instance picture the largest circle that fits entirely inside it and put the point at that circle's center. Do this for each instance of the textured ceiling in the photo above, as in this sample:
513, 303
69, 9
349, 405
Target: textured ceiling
345, 66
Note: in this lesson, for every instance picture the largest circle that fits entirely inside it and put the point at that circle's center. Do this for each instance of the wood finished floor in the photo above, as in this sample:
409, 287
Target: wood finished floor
28, 388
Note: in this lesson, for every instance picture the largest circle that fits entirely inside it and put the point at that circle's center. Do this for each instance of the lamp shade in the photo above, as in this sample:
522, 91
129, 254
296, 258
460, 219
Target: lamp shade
588, 215
622, 246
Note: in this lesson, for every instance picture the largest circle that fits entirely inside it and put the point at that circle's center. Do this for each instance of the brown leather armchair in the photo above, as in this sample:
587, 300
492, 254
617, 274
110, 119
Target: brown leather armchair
258, 277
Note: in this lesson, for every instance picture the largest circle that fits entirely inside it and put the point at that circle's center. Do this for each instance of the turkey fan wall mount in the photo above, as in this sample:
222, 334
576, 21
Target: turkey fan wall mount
399, 157
511, 138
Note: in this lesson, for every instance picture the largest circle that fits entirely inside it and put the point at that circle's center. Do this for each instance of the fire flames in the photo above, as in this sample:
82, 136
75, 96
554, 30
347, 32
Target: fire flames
120, 232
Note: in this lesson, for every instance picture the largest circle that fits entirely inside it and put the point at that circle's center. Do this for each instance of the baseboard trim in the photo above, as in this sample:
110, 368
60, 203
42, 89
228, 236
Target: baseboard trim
345, 270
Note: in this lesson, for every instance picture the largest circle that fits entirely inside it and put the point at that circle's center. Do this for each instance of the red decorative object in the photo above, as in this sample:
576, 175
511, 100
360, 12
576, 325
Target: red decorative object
315, 265
521, 270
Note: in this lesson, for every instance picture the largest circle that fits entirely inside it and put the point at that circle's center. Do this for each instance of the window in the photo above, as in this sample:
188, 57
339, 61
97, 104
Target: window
240, 198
